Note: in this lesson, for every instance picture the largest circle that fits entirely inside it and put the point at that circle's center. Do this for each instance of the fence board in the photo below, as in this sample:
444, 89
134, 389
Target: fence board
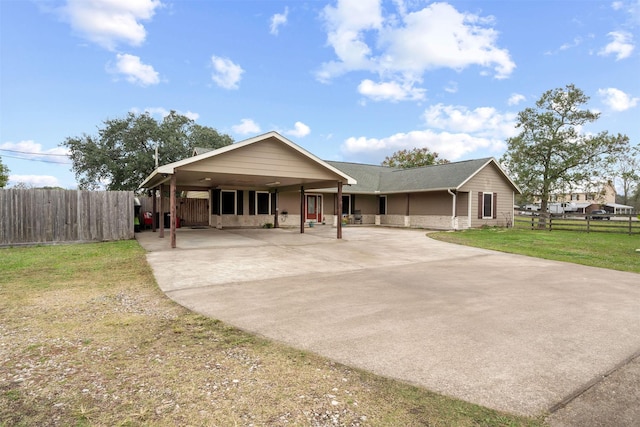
191, 211
619, 223
56, 216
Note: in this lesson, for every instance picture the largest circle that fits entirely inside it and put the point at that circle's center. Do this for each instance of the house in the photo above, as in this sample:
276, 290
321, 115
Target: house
601, 196
270, 180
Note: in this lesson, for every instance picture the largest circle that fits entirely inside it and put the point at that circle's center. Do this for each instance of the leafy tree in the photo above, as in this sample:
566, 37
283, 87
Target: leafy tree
551, 154
628, 171
413, 158
122, 155
4, 174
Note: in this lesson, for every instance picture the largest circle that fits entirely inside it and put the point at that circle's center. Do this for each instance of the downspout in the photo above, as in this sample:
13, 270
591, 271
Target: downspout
453, 207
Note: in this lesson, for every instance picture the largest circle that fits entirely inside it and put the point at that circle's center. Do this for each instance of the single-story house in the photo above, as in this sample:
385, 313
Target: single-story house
269, 179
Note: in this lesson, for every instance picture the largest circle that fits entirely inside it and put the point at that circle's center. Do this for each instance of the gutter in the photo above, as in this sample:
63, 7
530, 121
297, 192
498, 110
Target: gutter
453, 207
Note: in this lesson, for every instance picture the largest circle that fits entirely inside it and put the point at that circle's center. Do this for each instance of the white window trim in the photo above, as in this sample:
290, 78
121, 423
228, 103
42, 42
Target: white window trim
386, 208
269, 202
235, 202
348, 204
484, 193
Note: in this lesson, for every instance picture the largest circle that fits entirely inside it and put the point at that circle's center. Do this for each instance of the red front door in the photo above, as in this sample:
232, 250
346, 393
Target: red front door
313, 208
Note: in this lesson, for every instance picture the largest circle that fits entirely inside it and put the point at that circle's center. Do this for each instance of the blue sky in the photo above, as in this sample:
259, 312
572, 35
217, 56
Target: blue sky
351, 80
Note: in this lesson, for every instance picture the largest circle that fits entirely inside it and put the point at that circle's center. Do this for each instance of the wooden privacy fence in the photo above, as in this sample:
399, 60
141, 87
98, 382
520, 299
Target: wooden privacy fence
56, 216
191, 211
620, 223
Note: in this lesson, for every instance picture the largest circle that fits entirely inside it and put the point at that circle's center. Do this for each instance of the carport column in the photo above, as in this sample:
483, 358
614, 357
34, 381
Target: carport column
161, 214
302, 209
339, 226
172, 210
276, 224
154, 194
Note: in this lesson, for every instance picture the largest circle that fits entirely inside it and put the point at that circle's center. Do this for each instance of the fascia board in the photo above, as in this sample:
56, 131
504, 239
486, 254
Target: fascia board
494, 161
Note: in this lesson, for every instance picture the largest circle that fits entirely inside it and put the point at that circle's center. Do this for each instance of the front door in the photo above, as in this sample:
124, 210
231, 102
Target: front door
313, 208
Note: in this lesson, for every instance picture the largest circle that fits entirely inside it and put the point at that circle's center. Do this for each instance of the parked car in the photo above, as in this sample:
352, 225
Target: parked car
599, 214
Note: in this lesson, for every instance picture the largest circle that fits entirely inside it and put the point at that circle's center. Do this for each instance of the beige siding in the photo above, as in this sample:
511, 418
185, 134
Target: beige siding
269, 158
435, 203
396, 204
490, 180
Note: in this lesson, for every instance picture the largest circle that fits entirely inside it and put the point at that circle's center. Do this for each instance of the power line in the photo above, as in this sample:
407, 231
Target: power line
33, 154
37, 160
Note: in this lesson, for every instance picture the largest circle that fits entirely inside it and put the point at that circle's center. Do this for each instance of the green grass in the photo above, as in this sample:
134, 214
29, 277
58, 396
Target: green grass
88, 339
606, 250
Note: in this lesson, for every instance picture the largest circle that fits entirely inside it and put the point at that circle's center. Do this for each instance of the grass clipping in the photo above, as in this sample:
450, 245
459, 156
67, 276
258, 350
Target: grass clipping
86, 338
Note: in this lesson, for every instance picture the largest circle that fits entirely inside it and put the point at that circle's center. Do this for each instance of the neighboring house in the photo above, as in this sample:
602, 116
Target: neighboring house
600, 197
269, 179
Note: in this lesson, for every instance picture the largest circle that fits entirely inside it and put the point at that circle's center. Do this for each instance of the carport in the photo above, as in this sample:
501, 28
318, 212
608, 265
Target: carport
267, 163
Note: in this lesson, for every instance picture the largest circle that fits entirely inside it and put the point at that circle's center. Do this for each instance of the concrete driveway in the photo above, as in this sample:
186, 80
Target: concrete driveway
509, 332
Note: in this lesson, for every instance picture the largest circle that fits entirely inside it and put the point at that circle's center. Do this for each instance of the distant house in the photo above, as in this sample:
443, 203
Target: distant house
269, 179
599, 197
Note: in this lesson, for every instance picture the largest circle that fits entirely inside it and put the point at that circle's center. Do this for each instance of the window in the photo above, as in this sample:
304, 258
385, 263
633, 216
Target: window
263, 203
228, 202
346, 205
382, 205
487, 205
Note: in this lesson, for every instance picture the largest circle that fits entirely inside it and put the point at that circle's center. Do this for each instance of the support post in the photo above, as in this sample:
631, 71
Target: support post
161, 214
154, 209
302, 212
339, 226
276, 224
172, 211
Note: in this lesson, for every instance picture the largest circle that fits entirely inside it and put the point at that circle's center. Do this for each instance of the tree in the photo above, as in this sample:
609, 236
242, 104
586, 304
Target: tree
628, 171
122, 155
414, 158
4, 174
551, 154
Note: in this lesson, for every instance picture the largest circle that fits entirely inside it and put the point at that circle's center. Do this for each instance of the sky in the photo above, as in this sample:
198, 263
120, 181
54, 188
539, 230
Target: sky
348, 80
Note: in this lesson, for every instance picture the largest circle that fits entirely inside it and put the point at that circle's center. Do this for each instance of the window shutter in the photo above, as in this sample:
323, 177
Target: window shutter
353, 203
495, 205
215, 205
240, 203
480, 203
252, 202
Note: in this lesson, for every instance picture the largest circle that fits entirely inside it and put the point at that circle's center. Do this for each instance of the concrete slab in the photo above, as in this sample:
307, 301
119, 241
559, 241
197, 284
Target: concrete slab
509, 332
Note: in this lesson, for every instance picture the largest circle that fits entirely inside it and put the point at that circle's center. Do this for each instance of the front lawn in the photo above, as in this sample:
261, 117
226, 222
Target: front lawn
88, 339
606, 250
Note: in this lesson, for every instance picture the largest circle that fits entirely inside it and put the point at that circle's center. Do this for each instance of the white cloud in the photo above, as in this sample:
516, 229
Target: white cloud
226, 74
451, 146
246, 126
110, 22
617, 5
402, 46
455, 131
515, 99
390, 91
29, 149
277, 20
134, 70
621, 45
300, 130
34, 180
482, 121
617, 100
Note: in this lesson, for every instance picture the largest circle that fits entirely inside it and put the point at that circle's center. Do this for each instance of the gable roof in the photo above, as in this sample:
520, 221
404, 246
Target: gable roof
209, 166
382, 179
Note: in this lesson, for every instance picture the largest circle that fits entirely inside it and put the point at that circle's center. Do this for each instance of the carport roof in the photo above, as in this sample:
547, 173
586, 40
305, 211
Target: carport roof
272, 162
